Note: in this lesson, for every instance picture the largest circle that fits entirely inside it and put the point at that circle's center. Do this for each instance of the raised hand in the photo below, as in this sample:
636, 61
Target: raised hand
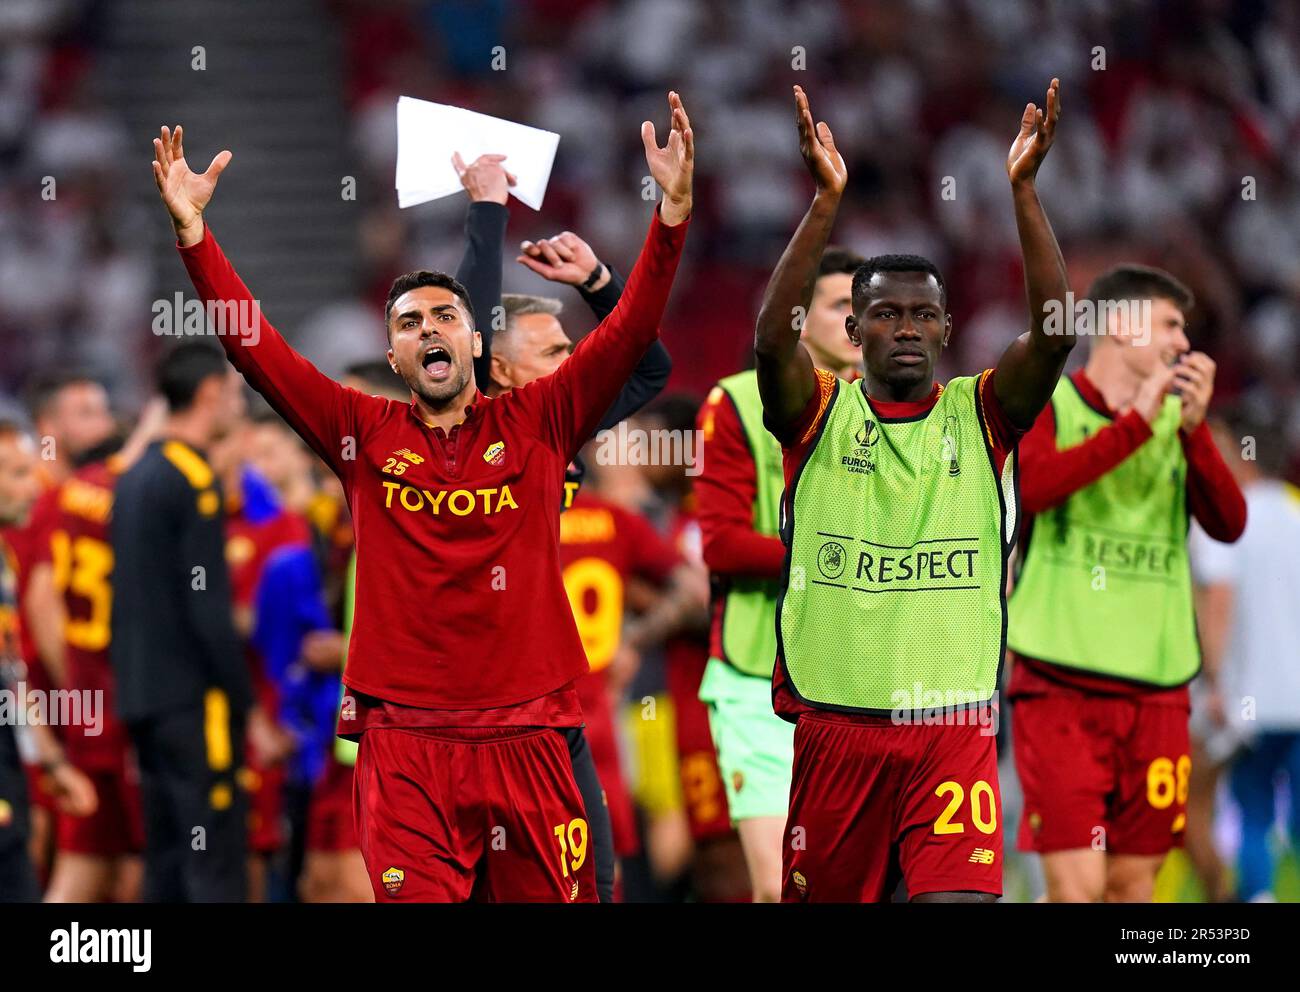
485, 178
673, 165
564, 258
1037, 131
1194, 379
1150, 398
817, 146
184, 191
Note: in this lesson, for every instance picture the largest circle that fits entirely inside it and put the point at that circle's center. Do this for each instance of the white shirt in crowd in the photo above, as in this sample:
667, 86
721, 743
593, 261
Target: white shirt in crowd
1261, 663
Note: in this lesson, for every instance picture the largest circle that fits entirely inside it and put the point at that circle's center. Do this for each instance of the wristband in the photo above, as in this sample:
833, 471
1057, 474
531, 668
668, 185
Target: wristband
594, 277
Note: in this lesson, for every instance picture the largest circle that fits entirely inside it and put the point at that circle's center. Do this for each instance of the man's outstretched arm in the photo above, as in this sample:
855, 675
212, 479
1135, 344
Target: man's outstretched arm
1029, 369
785, 369
319, 409
568, 259
570, 402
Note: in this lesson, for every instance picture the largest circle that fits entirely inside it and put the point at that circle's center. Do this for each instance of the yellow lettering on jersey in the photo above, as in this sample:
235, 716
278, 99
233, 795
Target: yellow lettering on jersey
586, 526
87, 501
461, 502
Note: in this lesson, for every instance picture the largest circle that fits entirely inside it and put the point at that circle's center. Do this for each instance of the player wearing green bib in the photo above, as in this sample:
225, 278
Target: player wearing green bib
1101, 620
898, 518
738, 495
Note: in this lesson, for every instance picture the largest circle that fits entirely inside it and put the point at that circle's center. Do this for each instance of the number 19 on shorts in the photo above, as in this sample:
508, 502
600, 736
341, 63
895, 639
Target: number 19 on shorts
572, 837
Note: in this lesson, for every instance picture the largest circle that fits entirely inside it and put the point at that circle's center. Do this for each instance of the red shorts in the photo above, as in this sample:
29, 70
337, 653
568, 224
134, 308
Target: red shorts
703, 792
602, 738
490, 814
116, 827
871, 803
329, 818
265, 788
1103, 772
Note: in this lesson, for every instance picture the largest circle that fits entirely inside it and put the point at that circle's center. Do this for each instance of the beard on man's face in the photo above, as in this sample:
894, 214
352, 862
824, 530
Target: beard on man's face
437, 394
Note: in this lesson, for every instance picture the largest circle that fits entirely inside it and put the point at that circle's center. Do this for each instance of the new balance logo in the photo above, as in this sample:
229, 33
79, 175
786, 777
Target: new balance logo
982, 856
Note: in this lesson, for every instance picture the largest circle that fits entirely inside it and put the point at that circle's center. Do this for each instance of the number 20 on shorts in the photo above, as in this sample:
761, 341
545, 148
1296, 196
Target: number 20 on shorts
983, 808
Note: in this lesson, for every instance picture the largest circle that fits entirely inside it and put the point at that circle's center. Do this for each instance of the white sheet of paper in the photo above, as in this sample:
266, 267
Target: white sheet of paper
429, 133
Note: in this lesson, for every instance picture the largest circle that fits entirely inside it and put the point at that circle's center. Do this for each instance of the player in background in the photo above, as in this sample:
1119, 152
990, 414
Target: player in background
444, 696
603, 547
738, 495
257, 525
294, 637
716, 861
183, 685
1250, 639
74, 794
71, 416
97, 858
70, 413
899, 515
1102, 627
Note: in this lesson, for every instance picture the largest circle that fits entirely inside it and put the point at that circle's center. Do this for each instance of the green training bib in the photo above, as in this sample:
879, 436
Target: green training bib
1104, 585
749, 604
897, 534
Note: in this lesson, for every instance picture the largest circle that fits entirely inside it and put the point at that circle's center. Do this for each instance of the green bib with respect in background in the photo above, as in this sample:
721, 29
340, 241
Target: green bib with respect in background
897, 536
1104, 585
749, 604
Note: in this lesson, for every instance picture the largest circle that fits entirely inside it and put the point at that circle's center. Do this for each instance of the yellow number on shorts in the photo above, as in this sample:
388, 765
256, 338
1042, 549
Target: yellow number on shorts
702, 789
982, 788
1167, 782
1184, 773
599, 627
943, 825
81, 568
1160, 783
985, 825
573, 844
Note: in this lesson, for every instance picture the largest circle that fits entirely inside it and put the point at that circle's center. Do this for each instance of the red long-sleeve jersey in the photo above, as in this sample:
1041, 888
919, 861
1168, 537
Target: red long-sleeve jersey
724, 493
459, 600
1048, 477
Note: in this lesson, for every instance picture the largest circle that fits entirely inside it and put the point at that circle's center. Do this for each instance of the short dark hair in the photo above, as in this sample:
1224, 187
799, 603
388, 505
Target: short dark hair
183, 369
1140, 282
45, 386
839, 261
894, 263
423, 277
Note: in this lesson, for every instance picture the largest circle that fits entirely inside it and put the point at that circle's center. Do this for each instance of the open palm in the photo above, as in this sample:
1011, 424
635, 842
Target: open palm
673, 165
184, 191
817, 146
1037, 131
